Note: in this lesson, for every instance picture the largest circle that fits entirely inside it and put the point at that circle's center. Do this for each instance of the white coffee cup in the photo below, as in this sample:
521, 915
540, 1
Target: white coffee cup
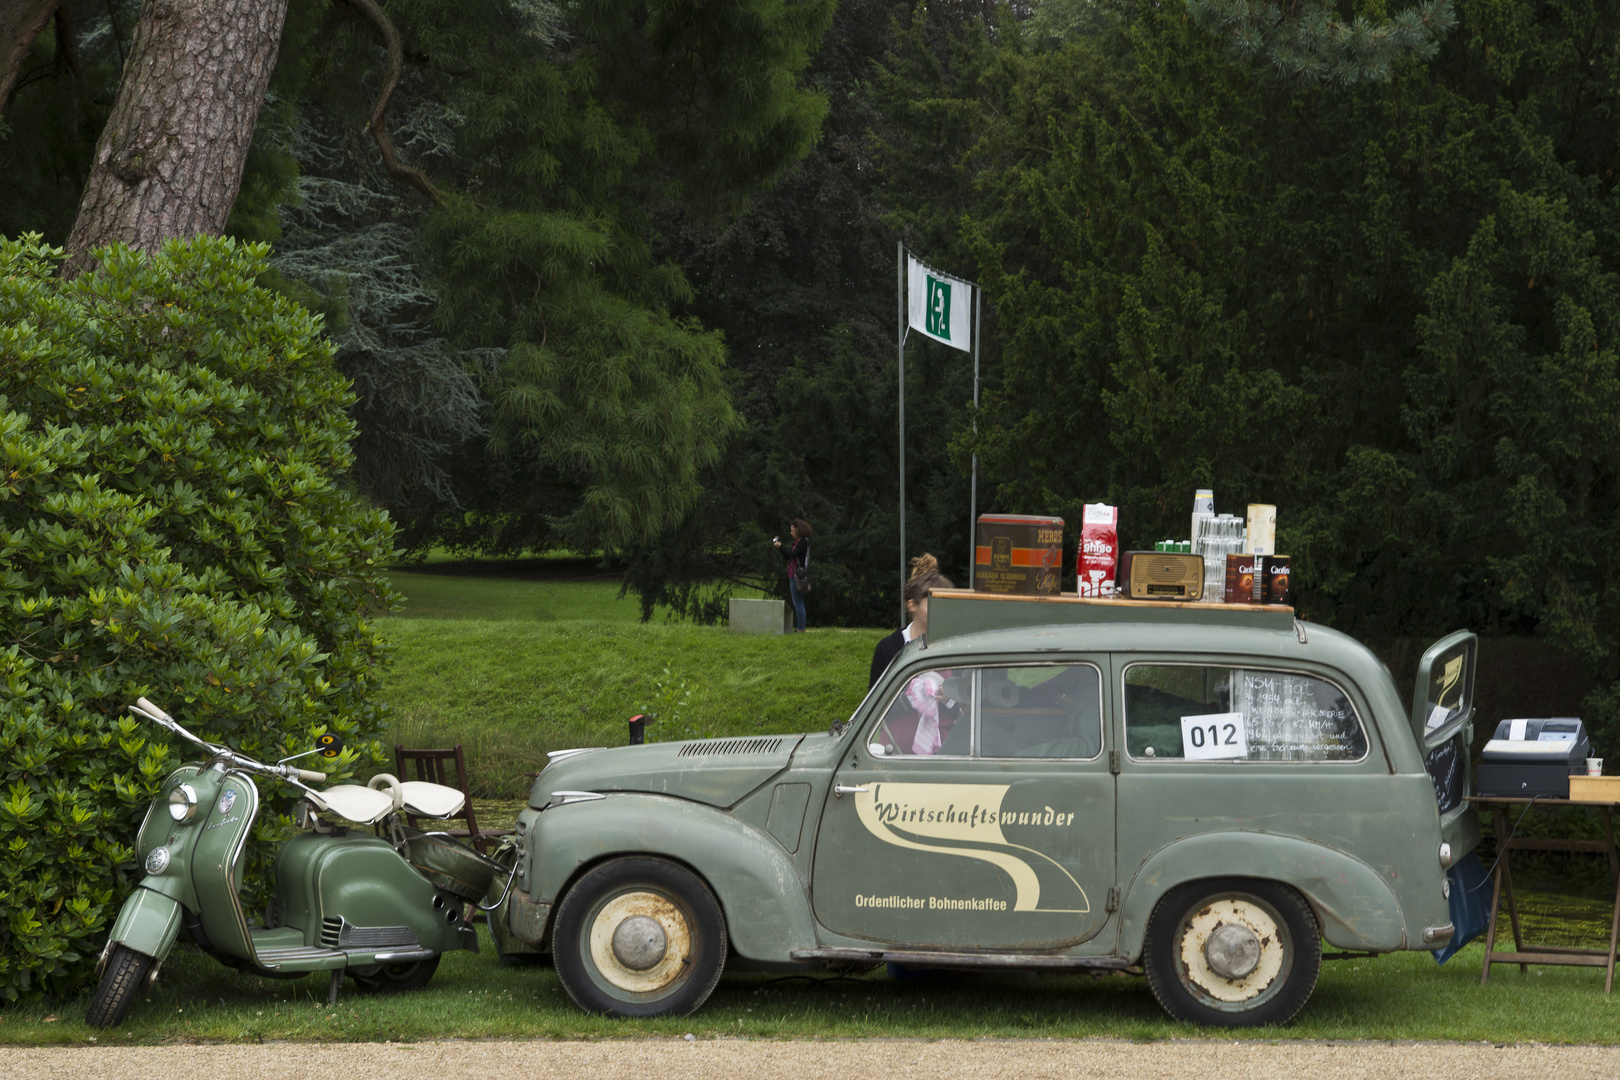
1594, 766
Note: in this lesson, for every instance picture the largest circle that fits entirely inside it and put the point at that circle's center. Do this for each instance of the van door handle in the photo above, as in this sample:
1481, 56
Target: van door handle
839, 790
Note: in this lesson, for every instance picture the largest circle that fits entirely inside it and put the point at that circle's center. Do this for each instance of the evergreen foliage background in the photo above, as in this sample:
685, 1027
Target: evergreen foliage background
1355, 259
170, 527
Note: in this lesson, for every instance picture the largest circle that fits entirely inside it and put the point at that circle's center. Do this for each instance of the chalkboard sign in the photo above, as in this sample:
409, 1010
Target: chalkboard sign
1446, 770
1296, 717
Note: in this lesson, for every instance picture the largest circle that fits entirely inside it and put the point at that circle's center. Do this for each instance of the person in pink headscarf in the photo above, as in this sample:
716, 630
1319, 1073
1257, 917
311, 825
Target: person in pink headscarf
923, 693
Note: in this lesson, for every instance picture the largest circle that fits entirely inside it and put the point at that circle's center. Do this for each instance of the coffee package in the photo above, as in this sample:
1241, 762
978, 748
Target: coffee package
1276, 591
1245, 577
1262, 530
1018, 555
1099, 550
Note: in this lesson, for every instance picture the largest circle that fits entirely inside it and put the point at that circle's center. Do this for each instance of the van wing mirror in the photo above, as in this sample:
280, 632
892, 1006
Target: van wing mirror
1443, 696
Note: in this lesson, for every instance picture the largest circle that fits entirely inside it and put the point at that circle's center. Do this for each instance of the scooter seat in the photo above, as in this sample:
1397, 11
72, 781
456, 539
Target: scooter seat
362, 805
431, 800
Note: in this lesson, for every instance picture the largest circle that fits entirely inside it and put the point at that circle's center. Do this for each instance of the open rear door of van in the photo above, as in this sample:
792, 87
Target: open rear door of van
1443, 722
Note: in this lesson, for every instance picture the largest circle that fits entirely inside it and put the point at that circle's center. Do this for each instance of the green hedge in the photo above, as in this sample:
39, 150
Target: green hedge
169, 526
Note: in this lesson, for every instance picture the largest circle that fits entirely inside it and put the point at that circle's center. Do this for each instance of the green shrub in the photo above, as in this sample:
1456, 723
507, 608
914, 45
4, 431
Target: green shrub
169, 527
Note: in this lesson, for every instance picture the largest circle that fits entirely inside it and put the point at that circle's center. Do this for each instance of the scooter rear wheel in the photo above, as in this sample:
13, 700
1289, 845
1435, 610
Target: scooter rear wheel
398, 978
126, 970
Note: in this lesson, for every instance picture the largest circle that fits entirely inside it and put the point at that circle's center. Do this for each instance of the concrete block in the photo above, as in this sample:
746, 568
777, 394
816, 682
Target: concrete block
758, 616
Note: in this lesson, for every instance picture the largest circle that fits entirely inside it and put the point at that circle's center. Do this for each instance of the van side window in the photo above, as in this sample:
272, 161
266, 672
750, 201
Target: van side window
929, 717
1198, 712
1040, 711
1016, 711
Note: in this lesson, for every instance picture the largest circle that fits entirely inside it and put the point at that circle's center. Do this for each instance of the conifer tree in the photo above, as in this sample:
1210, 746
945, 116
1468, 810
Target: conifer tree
1312, 41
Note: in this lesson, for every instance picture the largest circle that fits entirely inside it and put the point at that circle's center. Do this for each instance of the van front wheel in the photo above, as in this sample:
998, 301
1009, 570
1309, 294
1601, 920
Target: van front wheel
1232, 952
639, 937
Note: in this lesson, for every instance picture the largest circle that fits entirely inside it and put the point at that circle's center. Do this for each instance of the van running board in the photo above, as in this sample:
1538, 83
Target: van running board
929, 958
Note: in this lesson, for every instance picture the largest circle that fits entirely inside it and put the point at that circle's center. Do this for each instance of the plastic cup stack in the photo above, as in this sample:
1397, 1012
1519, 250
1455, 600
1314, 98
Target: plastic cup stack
1219, 535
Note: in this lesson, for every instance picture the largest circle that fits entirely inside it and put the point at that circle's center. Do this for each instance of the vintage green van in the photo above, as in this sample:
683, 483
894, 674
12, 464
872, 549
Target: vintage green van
1201, 793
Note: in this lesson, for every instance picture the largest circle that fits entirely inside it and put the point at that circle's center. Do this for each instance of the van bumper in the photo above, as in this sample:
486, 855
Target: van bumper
1436, 937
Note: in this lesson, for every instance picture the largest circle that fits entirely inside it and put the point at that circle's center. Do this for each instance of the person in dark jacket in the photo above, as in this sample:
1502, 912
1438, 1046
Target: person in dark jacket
797, 557
925, 575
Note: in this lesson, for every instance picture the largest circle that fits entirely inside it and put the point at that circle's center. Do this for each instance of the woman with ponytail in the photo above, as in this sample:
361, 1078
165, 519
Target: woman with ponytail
925, 576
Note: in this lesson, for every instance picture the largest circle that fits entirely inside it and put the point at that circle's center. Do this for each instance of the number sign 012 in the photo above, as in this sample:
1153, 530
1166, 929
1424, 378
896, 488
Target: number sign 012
1215, 736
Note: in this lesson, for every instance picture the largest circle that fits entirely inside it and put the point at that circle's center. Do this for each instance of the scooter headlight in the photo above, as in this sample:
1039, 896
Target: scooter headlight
183, 803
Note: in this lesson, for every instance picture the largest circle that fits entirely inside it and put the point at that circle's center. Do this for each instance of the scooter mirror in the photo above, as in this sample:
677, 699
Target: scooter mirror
329, 745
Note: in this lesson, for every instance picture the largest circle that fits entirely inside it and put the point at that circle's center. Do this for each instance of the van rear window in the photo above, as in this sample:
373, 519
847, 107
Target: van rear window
1216, 713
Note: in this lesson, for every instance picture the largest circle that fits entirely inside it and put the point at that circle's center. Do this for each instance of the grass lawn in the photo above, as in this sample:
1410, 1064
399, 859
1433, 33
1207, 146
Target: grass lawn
1401, 996
512, 668
446, 596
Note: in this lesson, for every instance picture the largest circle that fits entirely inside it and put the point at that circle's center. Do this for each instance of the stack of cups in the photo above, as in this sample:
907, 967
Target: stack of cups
1219, 535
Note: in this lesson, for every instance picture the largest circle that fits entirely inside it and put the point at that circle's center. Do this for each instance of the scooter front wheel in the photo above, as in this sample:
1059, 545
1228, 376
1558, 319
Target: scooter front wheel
398, 978
126, 970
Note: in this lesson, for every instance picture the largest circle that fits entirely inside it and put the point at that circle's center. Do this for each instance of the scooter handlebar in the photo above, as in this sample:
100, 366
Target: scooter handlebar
308, 776
152, 710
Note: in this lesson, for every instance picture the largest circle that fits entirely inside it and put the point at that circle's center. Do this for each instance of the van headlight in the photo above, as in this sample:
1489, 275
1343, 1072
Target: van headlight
183, 803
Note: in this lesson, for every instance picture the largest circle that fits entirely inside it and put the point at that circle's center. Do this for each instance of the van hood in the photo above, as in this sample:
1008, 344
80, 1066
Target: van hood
718, 772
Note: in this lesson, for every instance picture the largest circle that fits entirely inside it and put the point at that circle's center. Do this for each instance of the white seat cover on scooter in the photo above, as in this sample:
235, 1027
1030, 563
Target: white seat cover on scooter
355, 803
431, 800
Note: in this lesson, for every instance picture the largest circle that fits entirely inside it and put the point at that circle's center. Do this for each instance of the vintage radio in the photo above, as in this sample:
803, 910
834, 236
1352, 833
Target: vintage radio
1018, 554
1165, 575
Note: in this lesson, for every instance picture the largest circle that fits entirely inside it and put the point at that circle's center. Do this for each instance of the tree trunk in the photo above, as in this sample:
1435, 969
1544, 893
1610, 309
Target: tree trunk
169, 162
21, 22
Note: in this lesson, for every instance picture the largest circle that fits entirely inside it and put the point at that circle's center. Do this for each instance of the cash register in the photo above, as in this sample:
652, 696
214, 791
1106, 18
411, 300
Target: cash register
1530, 758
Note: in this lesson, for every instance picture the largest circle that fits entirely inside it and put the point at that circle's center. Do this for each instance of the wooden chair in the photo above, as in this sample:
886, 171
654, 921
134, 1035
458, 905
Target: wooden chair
433, 766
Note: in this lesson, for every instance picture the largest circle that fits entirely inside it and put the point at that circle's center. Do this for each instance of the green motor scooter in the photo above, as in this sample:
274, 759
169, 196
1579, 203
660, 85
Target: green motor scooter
379, 905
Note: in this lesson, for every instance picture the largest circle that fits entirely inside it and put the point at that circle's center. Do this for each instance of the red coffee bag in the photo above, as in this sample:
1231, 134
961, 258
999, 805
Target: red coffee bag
1099, 549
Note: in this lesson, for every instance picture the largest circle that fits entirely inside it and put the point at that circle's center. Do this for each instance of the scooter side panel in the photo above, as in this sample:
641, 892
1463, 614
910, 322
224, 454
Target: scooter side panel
216, 864
148, 923
362, 880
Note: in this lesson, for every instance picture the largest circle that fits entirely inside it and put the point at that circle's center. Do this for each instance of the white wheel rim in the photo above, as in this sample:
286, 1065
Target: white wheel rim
677, 935
1194, 963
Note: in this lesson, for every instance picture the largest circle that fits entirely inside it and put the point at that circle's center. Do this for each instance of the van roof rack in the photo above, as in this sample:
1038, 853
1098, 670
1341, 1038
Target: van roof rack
952, 612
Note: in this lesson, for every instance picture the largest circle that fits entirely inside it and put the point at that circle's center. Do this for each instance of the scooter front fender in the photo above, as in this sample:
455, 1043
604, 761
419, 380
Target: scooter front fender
149, 923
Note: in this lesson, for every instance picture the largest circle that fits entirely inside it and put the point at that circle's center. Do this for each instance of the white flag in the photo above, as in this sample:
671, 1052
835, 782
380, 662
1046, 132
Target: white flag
939, 304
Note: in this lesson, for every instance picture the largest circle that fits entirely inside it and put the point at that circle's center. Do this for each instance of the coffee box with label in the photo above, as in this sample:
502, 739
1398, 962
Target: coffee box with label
1276, 589
1018, 555
1245, 579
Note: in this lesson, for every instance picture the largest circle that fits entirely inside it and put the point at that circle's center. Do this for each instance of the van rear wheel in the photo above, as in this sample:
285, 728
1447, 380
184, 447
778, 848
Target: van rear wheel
639, 937
126, 970
1232, 952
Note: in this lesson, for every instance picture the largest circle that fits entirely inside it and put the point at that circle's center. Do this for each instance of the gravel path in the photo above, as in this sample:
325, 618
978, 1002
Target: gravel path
874, 1060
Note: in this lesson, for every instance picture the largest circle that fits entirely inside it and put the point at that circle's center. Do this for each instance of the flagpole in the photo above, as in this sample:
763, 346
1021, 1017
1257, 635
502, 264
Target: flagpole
900, 343
973, 498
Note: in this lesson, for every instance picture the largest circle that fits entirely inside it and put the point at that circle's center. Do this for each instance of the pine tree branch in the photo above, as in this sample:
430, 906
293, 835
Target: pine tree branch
373, 13
1312, 42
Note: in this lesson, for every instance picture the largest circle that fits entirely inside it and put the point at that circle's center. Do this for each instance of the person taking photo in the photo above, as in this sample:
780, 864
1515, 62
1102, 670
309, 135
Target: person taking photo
797, 556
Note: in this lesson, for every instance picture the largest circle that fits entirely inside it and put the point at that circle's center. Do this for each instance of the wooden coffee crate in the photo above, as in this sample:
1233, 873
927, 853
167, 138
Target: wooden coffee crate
1594, 789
